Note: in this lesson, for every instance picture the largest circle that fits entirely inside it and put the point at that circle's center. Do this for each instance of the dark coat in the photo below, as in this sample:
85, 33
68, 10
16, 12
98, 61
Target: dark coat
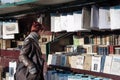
30, 55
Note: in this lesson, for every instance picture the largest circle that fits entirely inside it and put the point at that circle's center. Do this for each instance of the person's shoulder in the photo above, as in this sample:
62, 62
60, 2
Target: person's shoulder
27, 41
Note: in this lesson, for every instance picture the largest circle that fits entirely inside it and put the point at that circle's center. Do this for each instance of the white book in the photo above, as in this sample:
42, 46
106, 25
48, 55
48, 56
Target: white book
55, 23
49, 59
63, 21
115, 17
96, 63
107, 65
70, 22
94, 17
12, 70
7, 36
52, 22
11, 27
78, 21
104, 18
115, 67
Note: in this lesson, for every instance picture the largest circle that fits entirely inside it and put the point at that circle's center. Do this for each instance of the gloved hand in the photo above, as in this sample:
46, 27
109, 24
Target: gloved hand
32, 69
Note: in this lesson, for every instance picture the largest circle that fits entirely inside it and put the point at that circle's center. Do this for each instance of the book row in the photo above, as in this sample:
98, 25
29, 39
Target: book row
97, 63
93, 49
61, 75
97, 39
87, 18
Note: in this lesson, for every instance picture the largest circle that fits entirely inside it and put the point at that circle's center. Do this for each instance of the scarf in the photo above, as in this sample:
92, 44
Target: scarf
34, 36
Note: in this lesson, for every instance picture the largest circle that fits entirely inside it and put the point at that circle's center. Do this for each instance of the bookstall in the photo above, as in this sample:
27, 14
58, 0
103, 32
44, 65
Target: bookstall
81, 41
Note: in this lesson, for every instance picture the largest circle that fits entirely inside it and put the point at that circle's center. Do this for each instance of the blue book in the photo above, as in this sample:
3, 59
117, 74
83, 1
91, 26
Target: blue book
102, 63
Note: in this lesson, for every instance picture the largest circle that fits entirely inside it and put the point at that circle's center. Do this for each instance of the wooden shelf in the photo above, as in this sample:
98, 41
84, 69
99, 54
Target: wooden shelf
111, 76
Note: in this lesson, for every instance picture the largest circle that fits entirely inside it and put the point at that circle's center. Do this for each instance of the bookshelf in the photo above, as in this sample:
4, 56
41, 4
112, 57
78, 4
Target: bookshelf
94, 33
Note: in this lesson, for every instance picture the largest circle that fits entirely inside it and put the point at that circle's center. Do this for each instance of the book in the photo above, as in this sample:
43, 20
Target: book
63, 60
104, 18
86, 17
70, 22
102, 63
55, 23
49, 62
107, 64
52, 59
96, 63
115, 66
63, 21
87, 62
78, 21
114, 16
94, 23
11, 27
12, 70
79, 61
88, 48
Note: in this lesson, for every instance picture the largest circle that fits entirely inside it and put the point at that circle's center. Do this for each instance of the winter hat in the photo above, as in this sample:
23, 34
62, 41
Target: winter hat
36, 26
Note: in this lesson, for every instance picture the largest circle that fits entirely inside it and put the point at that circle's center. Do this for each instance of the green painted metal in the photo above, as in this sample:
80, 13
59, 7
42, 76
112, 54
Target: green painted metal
17, 3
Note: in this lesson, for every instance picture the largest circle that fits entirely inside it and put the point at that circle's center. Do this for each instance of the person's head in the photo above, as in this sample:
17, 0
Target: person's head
37, 27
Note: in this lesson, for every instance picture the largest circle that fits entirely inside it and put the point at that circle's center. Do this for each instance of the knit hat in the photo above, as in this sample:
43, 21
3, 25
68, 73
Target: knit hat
36, 26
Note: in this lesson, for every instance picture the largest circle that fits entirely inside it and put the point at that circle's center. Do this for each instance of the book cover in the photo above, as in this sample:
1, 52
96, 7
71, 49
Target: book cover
104, 18
78, 21
102, 63
86, 17
94, 17
79, 61
63, 21
87, 62
115, 67
115, 17
96, 63
70, 22
11, 27
107, 64
12, 70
